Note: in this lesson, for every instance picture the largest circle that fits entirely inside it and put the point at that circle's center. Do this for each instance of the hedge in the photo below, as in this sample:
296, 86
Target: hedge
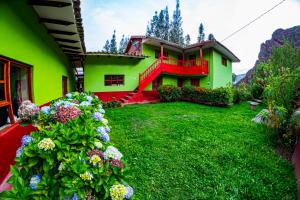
168, 93
217, 97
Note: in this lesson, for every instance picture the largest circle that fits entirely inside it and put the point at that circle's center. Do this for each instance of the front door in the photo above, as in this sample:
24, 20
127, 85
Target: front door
156, 83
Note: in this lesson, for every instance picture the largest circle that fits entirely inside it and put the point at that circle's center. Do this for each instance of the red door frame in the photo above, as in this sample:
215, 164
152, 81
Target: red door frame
64, 85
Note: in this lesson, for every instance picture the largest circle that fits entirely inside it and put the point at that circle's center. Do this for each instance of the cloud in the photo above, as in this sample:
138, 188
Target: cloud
220, 17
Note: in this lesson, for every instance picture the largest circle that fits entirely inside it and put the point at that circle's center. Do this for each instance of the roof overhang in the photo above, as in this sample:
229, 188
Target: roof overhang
190, 48
63, 21
119, 55
214, 44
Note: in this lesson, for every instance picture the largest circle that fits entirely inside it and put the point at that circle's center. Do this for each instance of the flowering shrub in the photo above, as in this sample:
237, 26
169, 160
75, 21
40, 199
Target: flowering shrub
28, 111
70, 156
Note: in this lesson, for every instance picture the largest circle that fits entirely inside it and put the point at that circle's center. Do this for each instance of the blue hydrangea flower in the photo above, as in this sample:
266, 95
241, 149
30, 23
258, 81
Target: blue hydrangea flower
58, 103
101, 129
97, 116
26, 139
69, 96
19, 151
35, 179
46, 110
85, 103
105, 137
107, 129
89, 98
129, 193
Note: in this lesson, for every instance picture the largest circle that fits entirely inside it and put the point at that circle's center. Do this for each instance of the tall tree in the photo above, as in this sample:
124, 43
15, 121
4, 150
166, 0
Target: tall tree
106, 46
187, 39
166, 26
201, 34
211, 37
122, 44
176, 31
154, 26
161, 24
113, 43
149, 30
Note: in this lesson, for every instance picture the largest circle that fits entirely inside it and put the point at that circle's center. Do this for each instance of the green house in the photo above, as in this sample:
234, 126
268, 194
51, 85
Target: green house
40, 42
150, 62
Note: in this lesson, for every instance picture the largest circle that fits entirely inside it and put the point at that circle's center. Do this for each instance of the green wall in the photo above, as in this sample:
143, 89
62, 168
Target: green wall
222, 75
24, 39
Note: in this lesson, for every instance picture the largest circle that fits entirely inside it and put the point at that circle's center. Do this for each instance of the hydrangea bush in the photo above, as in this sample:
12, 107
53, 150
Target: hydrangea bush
70, 156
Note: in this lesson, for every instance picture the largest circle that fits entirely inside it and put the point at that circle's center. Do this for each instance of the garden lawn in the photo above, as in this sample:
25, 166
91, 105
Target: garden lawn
190, 151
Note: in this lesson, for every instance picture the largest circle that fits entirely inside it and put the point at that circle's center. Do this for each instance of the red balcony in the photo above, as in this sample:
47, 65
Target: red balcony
184, 67
172, 66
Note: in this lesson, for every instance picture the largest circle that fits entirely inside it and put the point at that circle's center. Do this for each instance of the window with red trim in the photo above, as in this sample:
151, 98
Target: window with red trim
113, 80
15, 87
224, 61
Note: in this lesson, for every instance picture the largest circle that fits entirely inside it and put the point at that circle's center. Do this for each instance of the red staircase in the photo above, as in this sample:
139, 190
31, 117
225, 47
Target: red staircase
172, 66
149, 74
165, 65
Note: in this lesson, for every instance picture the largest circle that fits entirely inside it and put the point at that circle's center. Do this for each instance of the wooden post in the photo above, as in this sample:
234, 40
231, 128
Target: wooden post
161, 50
200, 56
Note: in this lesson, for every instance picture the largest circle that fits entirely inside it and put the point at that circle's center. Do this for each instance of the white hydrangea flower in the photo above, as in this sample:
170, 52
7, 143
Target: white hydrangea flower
112, 152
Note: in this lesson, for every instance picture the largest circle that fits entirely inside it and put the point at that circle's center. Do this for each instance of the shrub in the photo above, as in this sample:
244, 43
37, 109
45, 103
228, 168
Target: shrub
112, 104
219, 97
241, 93
70, 156
169, 93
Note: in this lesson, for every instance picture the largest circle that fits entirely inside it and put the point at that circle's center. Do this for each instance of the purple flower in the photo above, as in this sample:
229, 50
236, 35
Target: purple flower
26, 139
101, 129
105, 137
97, 116
107, 129
19, 151
129, 193
35, 179
116, 163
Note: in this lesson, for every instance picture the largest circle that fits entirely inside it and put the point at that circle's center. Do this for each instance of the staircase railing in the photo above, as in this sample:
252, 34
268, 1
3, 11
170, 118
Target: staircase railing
153, 66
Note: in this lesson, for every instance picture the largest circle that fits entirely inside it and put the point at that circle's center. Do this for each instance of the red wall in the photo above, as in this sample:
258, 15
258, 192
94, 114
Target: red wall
109, 96
10, 141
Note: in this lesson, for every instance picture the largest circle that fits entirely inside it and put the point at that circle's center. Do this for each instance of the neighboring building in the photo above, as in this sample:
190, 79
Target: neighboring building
142, 69
41, 43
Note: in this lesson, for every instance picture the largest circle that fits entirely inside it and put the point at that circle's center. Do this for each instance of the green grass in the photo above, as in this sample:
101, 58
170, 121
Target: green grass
190, 151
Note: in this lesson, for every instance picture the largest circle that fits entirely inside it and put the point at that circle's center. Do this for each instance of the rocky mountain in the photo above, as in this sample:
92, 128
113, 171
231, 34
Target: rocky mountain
278, 38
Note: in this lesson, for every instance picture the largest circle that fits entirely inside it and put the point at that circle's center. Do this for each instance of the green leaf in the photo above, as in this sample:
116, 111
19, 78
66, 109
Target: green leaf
33, 162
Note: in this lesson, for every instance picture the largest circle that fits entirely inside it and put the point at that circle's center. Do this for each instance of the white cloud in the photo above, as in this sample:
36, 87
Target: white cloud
220, 17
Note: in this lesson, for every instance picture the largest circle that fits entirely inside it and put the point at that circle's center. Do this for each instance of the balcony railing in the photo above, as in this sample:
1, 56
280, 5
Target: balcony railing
196, 66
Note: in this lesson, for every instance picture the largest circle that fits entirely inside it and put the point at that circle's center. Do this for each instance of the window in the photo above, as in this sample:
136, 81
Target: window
195, 82
15, 87
113, 80
224, 61
157, 54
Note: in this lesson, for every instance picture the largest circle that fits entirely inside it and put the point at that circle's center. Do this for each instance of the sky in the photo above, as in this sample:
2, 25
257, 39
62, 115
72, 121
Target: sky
220, 17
